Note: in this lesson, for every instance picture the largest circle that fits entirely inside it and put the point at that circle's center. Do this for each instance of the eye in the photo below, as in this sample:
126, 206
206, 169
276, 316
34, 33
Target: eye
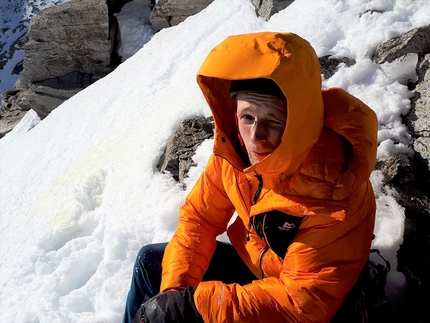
247, 118
276, 122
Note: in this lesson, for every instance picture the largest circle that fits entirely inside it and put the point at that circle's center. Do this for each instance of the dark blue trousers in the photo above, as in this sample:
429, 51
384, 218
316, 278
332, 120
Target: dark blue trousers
225, 266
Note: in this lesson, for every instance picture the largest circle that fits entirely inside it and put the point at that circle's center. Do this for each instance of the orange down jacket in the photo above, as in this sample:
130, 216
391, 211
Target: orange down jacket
320, 171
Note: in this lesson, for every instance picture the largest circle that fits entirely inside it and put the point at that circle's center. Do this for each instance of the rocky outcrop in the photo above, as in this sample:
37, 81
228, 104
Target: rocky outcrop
177, 158
418, 119
414, 41
167, 13
61, 61
14, 34
78, 47
69, 49
409, 175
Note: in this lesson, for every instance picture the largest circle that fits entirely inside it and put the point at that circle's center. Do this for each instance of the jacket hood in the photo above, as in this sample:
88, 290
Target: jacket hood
291, 62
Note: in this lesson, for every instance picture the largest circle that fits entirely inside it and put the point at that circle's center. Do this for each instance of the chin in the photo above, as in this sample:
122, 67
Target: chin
255, 161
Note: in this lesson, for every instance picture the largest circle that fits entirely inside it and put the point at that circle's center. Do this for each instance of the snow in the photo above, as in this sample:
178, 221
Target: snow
80, 191
133, 21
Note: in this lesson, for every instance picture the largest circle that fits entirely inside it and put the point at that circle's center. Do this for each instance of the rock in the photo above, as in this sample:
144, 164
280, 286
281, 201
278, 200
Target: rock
69, 49
72, 46
410, 175
69, 38
167, 13
414, 41
267, 8
328, 64
410, 178
177, 158
396, 169
418, 120
10, 115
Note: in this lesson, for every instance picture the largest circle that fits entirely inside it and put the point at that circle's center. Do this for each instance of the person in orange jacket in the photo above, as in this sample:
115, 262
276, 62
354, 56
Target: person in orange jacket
290, 165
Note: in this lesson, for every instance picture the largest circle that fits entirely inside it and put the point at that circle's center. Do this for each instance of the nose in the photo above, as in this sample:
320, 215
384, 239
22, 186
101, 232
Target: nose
257, 133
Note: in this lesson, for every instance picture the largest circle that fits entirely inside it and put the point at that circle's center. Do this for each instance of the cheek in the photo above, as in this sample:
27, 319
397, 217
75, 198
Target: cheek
276, 136
243, 131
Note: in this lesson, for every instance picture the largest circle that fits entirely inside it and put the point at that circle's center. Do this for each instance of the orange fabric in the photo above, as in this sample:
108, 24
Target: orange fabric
320, 171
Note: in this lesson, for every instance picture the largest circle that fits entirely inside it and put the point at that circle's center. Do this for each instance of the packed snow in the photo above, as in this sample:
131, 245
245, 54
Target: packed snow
80, 191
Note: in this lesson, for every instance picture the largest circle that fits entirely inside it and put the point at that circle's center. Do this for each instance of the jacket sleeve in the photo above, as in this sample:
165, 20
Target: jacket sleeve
321, 266
204, 215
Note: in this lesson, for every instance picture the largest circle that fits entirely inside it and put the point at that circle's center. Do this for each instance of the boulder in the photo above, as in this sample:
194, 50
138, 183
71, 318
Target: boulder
328, 64
167, 13
267, 8
177, 158
414, 41
69, 38
418, 120
69, 49
11, 114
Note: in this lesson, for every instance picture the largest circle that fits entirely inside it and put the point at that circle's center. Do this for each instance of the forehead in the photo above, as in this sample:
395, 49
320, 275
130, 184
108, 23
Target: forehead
262, 103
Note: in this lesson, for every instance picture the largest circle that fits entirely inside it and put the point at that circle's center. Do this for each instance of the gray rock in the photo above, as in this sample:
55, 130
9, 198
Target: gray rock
410, 175
167, 13
328, 64
267, 8
414, 41
177, 158
418, 120
396, 169
11, 114
69, 49
69, 38
422, 147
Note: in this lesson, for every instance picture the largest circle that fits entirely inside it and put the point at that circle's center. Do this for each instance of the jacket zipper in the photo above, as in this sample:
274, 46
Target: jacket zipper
241, 195
256, 196
260, 260
259, 188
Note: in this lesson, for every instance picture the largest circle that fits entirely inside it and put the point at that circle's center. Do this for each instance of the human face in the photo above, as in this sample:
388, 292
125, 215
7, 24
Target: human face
261, 120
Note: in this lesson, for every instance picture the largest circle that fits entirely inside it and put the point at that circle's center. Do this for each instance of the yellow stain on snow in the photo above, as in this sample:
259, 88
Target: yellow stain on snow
53, 203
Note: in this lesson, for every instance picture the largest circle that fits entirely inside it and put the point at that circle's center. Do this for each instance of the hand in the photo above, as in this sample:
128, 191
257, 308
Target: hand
170, 307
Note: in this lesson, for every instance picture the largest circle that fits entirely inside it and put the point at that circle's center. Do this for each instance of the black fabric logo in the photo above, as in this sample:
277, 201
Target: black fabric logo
277, 229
